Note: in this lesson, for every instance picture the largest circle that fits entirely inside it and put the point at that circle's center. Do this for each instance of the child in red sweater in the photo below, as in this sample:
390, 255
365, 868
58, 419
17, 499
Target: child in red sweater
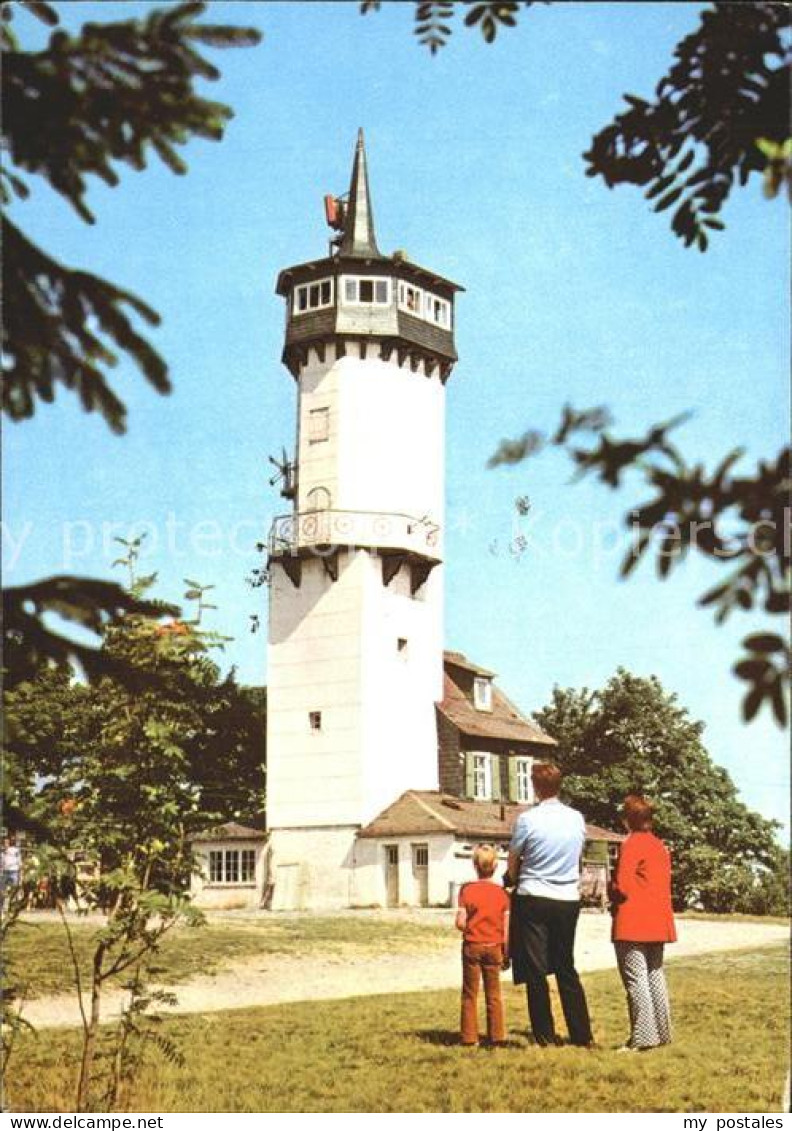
483, 918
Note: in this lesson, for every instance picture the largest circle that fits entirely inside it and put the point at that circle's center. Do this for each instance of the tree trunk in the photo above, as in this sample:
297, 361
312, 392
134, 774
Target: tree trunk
91, 1030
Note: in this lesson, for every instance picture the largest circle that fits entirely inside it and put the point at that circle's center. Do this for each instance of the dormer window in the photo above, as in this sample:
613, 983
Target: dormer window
312, 296
482, 693
366, 290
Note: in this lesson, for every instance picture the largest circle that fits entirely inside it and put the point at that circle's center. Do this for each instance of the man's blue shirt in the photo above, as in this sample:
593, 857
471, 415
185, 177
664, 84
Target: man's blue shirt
549, 839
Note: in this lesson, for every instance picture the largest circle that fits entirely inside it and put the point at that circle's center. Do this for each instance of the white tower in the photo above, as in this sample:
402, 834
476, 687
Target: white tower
355, 621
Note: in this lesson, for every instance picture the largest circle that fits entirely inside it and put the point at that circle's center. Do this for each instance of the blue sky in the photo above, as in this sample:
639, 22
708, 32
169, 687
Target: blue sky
573, 293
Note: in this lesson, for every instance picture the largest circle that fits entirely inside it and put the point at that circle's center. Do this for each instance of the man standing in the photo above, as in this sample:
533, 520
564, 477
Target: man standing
544, 864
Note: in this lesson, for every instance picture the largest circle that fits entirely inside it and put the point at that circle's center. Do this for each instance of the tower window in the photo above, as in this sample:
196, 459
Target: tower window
438, 310
410, 298
482, 694
366, 290
315, 719
313, 296
318, 425
401, 646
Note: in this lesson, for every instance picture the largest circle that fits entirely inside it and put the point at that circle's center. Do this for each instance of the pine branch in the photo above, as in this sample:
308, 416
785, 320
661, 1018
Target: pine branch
87, 602
111, 94
64, 327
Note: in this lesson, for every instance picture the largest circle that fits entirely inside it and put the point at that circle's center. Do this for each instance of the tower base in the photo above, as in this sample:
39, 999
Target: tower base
312, 869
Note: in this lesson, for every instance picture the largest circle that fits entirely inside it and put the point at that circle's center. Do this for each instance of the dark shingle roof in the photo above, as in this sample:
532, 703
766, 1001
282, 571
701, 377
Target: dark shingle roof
504, 721
230, 831
423, 812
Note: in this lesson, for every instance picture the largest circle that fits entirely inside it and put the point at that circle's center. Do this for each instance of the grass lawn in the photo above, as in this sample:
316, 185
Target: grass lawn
399, 1054
38, 952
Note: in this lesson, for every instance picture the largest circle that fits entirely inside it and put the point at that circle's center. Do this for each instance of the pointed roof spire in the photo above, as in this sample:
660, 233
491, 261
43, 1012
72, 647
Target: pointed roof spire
358, 240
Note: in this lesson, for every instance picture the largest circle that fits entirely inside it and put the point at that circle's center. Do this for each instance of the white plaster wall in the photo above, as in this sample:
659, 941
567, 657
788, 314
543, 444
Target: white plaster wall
386, 449
227, 895
311, 868
370, 885
314, 664
333, 648
399, 689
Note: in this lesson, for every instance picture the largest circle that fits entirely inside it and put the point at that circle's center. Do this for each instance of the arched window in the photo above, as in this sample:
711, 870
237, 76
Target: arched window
318, 499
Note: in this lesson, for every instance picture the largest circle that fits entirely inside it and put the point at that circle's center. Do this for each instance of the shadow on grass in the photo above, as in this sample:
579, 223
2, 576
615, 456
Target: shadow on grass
449, 1038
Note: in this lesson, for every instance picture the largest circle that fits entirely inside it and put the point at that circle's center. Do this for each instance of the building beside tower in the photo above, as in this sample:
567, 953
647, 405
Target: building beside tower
386, 757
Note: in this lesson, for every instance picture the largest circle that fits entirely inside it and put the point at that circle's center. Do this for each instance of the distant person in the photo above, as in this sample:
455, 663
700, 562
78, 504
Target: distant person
544, 866
483, 918
643, 922
11, 863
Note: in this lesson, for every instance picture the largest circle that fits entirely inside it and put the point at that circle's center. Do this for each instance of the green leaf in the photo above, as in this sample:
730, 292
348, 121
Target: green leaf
764, 642
669, 199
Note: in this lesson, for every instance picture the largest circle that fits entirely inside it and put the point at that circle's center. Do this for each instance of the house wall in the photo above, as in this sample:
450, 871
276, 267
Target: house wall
206, 894
371, 872
451, 763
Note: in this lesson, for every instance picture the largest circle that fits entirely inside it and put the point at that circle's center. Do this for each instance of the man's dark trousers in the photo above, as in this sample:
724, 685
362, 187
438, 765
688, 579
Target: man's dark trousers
545, 935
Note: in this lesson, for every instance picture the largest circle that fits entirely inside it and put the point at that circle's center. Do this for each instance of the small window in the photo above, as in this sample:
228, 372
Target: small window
367, 290
315, 719
524, 784
421, 855
482, 694
215, 867
232, 866
247, 873
482, 777
318, 499
410, 299
401, 645
313, 296
318, 425
392, 854
437, 310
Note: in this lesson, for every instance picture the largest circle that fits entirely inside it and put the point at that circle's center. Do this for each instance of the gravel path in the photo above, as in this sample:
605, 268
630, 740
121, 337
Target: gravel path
272, 979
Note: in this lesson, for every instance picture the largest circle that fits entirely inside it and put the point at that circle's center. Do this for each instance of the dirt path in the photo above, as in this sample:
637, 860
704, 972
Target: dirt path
272, 979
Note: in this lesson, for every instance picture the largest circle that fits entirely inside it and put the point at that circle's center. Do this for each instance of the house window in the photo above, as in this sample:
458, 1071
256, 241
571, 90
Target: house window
318, 425
482, 777
421, 855
232, 866
247, 872
524, 784
315, 719
366, 290
313, 296
482, 694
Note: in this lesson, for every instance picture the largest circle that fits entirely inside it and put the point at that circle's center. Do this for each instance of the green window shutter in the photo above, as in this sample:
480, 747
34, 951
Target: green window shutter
513, 780
497, 792
468, 773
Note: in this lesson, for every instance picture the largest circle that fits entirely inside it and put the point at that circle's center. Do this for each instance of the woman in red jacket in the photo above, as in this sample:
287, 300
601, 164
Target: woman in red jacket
643, 922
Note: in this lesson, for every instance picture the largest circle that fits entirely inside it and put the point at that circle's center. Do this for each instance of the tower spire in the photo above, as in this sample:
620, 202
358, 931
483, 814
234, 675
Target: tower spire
358, 240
